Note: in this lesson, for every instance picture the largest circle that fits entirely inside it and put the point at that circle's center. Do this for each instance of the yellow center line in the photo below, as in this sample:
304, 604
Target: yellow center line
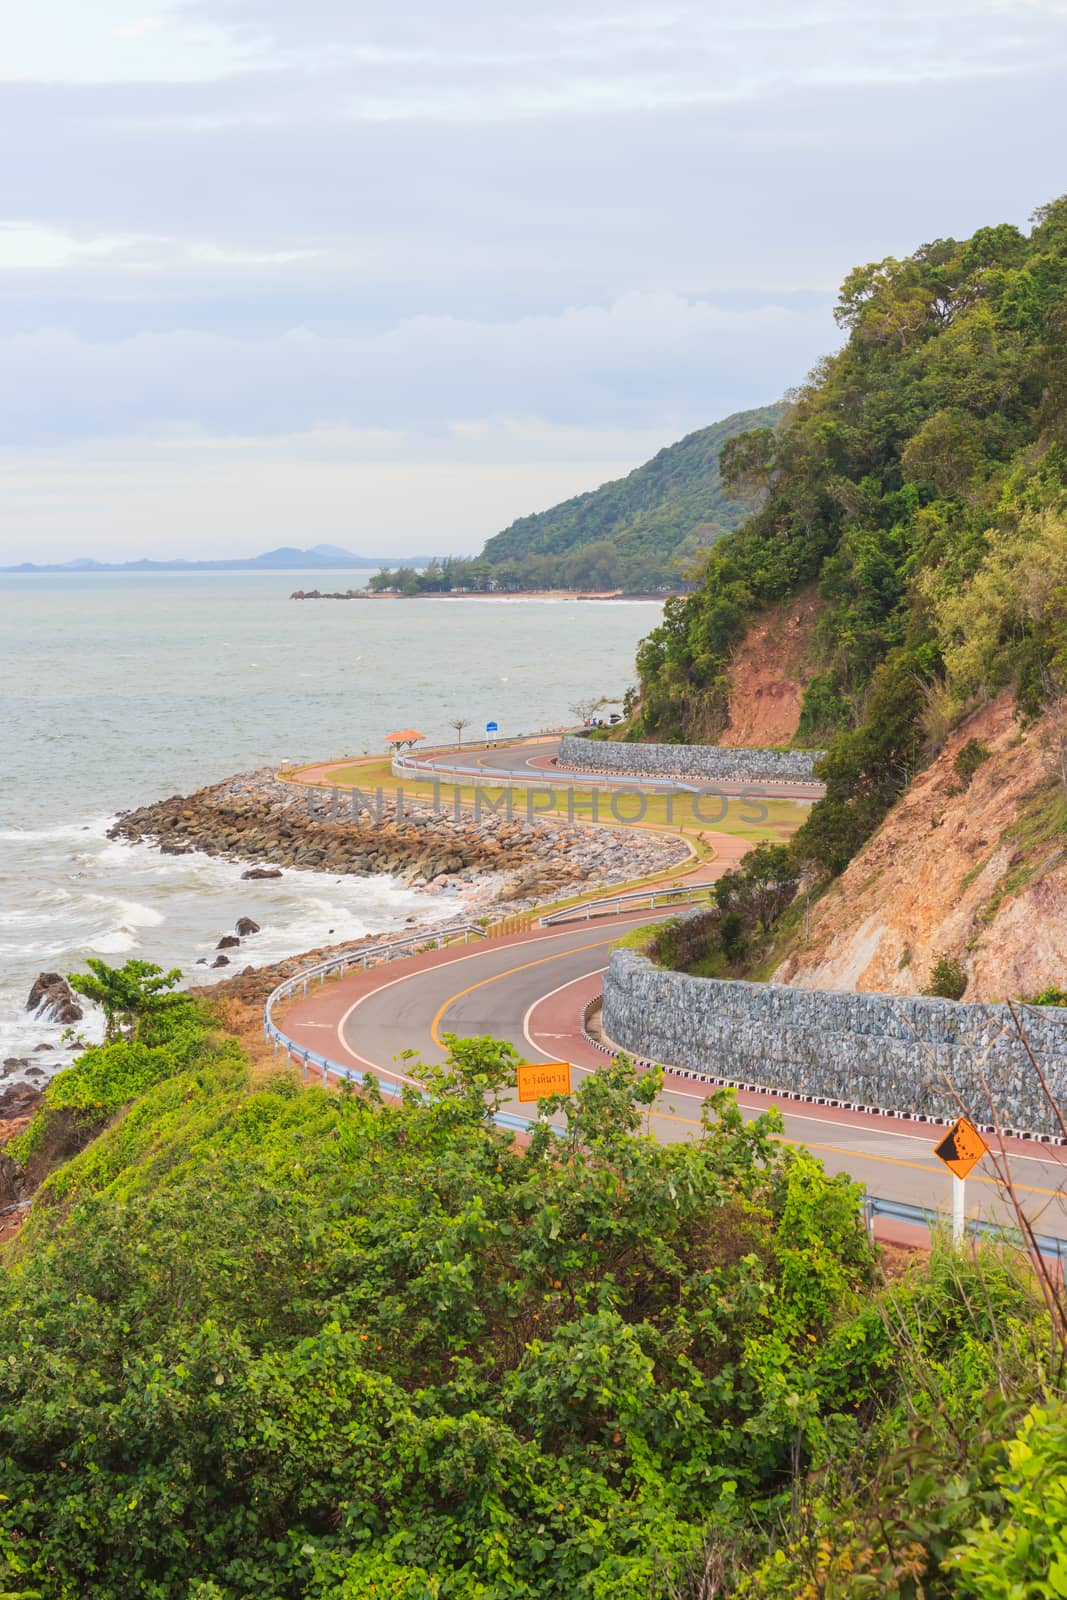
600, 944
676, 1116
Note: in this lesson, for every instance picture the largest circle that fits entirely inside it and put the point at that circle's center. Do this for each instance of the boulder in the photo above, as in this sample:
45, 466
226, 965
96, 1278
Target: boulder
18, 1100
245, 926
221, 961
229, 941
52, 998
15, 1064
262, 872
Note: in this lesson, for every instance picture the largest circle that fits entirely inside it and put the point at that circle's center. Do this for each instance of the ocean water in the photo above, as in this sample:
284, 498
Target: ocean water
118, 689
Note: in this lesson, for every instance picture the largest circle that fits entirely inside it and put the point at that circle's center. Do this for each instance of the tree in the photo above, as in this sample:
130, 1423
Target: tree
586, 709
127, 995
459, 723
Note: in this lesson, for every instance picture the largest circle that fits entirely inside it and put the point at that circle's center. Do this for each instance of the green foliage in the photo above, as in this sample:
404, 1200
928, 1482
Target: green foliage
948, 980
973, 755
1023, 1550
170, 1038
262, 1339
282, 1341
919, 480
1048, 997
638, 533
128, 995
747, 901
885, 1515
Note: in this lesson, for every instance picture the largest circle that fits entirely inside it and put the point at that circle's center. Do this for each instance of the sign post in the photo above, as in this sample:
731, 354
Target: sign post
961, 1149
491, 731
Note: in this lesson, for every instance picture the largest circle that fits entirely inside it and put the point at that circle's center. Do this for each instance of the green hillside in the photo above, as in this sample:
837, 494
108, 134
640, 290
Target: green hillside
673, 506
265, 1340
920, 482
636, 533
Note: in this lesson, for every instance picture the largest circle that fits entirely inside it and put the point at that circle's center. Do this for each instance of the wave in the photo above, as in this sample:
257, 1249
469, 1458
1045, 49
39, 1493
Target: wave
96, 827
131, 913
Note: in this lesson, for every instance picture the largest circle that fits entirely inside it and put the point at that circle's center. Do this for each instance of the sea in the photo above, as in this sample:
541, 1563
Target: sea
117, 689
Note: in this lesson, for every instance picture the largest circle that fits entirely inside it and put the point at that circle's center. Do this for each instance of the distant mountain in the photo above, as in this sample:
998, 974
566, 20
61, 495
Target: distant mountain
641, 533
287, 558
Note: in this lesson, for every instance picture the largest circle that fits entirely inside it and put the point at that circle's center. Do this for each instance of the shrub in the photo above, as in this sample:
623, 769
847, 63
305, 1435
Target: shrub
1023, 1551
969, 759
948, 981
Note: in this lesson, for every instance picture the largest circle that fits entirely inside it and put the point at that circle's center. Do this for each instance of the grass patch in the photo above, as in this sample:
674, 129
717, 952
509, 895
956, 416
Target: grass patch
975, 872
1042, 821
639, 938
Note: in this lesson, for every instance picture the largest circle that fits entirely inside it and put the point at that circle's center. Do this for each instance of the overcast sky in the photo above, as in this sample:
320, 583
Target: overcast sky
390, 275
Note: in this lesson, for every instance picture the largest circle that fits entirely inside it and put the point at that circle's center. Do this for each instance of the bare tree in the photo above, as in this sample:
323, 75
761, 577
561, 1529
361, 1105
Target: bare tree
585, 710
459, 723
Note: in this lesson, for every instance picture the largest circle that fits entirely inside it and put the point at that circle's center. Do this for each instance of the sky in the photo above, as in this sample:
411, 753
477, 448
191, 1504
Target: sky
390, 276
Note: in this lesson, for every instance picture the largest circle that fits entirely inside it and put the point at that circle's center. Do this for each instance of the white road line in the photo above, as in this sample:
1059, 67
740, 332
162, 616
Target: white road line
869, 1129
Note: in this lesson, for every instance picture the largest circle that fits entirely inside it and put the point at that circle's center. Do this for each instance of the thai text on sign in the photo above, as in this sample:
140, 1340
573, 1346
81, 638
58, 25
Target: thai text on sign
538, 1079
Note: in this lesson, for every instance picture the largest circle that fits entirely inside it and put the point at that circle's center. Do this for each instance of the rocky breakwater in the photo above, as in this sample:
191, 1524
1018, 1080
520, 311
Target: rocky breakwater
254, 817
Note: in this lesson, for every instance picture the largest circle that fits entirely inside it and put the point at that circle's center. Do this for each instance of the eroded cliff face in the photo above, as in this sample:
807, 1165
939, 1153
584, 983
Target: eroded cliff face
768, 675
976, 872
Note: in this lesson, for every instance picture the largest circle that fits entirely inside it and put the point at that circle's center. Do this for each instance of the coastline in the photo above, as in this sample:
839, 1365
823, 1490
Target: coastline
520, 594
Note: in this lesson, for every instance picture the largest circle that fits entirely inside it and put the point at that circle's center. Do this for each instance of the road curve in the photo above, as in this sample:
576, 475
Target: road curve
533, 762
531, 991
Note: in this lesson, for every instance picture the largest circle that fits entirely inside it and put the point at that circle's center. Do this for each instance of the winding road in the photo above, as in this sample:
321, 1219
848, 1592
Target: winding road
535, 761
531, 989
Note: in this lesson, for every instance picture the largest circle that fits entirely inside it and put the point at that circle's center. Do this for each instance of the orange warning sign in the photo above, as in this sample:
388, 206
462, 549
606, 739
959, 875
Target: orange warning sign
538, 1079
962, 1148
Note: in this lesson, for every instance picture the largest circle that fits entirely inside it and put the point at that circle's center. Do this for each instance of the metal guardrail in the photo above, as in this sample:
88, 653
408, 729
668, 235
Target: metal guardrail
1050, 1245
364, 957
616, 903
553, 778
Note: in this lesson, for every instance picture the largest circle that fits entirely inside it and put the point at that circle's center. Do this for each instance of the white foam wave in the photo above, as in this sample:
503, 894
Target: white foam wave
96, 826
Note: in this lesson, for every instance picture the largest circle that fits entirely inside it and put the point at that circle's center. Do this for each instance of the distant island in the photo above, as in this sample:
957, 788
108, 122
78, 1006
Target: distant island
285, 559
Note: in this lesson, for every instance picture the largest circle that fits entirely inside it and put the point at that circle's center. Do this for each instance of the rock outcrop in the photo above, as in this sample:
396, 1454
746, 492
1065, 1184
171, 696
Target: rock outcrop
53, 1000
973, 869
255, 817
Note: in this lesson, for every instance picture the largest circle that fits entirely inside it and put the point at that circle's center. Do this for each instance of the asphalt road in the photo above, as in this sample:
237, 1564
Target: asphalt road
530, 992
533, 762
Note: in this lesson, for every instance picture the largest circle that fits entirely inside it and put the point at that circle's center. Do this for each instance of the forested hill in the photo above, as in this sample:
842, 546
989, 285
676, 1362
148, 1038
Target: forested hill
636, 533
671, 508
920, 483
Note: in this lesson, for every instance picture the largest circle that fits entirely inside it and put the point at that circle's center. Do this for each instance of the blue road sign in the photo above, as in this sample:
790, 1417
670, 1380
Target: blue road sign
491, 727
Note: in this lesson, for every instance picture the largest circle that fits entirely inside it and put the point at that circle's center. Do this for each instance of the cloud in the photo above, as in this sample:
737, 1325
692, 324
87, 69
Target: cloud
476, 236
198, 497
140, 28
644, 355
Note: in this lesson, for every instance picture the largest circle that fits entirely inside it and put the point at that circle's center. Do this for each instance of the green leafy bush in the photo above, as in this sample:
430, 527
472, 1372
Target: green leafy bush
1023, 1549
973, 755
948, 980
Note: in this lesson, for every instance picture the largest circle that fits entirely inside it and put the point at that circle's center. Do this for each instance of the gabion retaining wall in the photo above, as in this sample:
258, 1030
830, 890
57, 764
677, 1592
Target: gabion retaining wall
706, 762
901, 1053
